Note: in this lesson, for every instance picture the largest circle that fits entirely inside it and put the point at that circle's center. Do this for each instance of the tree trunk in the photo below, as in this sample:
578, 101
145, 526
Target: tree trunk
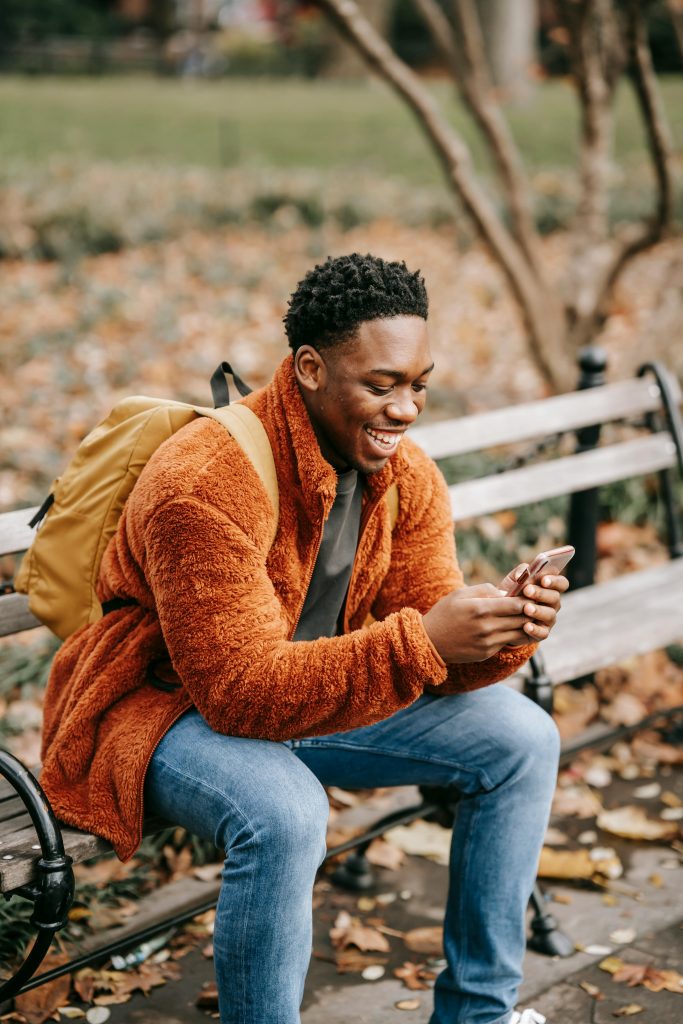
509, 28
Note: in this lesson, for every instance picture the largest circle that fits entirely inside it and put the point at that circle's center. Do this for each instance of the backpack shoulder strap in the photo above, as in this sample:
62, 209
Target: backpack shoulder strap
247, 429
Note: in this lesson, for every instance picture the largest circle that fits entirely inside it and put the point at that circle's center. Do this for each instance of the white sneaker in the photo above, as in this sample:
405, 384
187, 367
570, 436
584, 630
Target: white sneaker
527, 1017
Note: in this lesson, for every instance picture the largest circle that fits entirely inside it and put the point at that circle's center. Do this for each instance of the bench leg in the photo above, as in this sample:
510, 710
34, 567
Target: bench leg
53, 893
546, 937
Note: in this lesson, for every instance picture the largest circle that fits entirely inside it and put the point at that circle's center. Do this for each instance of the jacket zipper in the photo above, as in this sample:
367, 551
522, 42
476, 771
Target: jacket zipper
365, 516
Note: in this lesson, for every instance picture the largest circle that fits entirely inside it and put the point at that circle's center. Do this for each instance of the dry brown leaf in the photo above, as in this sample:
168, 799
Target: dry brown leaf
422, 839
352, 961
579, 863
104, 871
576, 801
625, 709
662, 753
207, 872
40, 1003
385, 855
592, 990
350, 931
410, 975
632, 822
208, 996
408, 1004
428, 940
630, 1010
573, 709
650, 977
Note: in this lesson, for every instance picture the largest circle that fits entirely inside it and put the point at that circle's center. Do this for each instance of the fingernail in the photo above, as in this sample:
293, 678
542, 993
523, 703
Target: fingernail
529, 627
530, 609
530, 592
547, 581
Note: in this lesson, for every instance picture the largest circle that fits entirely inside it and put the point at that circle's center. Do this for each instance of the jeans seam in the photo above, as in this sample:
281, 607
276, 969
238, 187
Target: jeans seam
389, 752
463, 881
206, 786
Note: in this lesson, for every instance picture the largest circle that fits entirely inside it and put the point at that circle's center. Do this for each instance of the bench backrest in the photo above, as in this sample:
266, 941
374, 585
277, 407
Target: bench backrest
630, 399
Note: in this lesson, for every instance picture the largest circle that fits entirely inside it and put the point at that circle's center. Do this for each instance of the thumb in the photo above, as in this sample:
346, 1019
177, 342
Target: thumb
509, 581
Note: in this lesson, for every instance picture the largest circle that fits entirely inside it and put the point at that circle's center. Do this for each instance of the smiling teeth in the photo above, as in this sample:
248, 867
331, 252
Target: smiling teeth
386, 440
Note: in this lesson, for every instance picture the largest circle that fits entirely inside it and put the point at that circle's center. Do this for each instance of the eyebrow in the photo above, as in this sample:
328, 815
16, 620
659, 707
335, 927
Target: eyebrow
397, 375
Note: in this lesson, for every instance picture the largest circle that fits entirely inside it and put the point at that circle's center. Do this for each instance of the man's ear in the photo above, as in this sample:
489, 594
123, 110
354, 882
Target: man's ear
309, 368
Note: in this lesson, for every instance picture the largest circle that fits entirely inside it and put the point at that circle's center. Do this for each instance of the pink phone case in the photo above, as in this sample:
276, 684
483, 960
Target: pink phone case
549, 563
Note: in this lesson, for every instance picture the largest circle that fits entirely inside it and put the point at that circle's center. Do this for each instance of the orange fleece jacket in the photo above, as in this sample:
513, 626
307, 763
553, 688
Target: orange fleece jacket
219, 607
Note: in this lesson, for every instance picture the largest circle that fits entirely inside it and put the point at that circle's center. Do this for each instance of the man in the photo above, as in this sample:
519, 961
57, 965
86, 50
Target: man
245, 677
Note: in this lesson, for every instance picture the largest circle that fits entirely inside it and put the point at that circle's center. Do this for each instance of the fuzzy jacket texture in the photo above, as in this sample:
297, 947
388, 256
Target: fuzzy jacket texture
217, 607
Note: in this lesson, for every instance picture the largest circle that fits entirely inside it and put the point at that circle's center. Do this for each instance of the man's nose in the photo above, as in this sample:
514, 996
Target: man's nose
403, 408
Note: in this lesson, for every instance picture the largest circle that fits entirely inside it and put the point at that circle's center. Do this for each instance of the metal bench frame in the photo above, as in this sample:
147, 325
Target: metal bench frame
53, 890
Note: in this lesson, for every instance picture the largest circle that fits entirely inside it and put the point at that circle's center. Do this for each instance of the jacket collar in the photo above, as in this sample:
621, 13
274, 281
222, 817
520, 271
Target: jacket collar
297, 444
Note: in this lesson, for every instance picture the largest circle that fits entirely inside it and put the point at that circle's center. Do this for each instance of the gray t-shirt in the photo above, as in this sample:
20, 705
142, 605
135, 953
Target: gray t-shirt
324, 604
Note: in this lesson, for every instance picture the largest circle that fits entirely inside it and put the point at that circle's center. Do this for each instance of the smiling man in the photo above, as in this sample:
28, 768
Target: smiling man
244, 673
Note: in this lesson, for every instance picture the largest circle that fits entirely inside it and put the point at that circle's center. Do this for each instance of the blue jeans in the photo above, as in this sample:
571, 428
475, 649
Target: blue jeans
264, 804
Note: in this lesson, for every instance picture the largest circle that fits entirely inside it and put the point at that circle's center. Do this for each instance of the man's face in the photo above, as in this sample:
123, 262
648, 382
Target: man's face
363, 394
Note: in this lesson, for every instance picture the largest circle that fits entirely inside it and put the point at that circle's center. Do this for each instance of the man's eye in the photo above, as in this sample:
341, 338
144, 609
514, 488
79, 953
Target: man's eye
377, 390
419, 387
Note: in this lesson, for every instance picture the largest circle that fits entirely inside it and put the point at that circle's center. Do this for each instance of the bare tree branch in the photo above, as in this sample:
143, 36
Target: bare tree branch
660, 145
466, 57
440, 28
583, 22
542, 316
676, 12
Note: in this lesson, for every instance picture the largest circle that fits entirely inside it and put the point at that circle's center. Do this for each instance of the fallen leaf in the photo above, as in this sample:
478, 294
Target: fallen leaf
632, 822
428, 940
352, 961
412, 975
648, 792
349, 931
630, 1010
592, 990
652, 978
207, 872
385, 855
662, 753
623, 936
408, 1004
625, 709
553, 837
208, 996
670, 799
422, 839
40, 1003
576, 801
579, 863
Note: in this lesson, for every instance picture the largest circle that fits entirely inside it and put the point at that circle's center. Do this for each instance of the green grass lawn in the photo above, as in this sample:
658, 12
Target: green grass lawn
286, 123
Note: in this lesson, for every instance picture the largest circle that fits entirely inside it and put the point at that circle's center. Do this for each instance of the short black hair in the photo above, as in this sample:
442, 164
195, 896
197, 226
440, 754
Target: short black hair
337, 296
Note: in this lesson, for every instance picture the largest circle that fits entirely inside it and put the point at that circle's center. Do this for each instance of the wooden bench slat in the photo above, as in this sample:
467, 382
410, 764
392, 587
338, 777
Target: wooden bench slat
14, 614
15, 533
548, 416
562, 476
616, 620
9, 811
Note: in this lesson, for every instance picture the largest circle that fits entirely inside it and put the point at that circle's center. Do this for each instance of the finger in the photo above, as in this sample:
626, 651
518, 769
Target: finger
515, 638
558, 583
543, 596
540, 613
500, 606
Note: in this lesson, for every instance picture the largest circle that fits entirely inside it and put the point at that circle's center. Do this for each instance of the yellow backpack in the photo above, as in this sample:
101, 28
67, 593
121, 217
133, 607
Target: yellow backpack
60, 570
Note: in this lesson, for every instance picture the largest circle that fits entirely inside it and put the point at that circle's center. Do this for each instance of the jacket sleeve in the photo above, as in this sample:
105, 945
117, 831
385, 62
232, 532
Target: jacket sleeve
227, 639
424, 568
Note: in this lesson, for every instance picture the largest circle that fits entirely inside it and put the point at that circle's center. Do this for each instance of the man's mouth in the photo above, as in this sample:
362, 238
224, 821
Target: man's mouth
385, 440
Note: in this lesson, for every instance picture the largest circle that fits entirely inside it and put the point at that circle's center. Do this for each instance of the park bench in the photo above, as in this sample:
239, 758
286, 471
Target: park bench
601, 624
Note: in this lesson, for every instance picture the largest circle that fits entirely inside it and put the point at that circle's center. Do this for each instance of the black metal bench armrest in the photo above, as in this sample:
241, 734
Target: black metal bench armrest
53, 893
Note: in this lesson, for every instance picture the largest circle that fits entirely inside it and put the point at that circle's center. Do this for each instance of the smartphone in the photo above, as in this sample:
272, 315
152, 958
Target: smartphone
546, 563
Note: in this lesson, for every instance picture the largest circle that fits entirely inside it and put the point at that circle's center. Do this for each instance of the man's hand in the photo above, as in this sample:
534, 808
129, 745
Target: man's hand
474, 623
544, 604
